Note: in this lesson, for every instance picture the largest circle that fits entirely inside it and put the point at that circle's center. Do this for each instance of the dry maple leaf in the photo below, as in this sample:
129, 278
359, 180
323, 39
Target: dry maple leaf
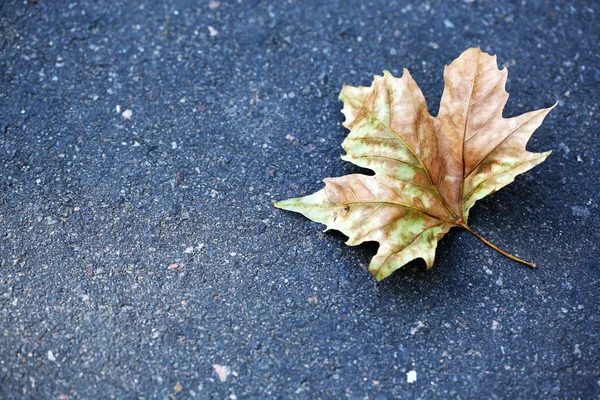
428, 171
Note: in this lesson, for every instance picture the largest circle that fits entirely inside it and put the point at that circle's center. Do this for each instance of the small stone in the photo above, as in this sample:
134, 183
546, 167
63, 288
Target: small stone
411, 376
212, 31
261, 228
448, 24
577, 351
420, 325
51, 356
223, 371
591, 76
580, 211
178, 387
175, 266
127, 114
564, 148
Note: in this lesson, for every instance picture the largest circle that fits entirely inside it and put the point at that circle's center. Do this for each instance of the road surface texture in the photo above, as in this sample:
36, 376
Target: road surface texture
142, 145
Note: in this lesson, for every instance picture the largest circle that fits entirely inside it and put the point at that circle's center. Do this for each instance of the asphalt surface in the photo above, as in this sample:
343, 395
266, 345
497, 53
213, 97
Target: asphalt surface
141, 257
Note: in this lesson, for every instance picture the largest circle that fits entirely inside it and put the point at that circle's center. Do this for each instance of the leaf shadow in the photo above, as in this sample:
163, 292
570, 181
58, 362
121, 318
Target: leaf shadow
408, 283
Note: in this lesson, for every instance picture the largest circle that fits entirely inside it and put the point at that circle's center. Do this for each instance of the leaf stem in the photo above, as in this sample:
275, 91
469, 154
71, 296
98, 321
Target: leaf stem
504, 253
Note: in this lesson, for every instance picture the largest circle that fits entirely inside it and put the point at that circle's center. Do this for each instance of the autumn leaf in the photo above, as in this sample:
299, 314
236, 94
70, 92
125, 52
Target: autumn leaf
429, 171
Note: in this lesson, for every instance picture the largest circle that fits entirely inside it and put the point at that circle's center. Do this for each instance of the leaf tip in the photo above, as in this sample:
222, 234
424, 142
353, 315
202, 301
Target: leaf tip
406, 74
283, 204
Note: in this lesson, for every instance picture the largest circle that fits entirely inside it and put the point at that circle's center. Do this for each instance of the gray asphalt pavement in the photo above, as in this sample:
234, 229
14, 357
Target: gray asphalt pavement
142, 145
